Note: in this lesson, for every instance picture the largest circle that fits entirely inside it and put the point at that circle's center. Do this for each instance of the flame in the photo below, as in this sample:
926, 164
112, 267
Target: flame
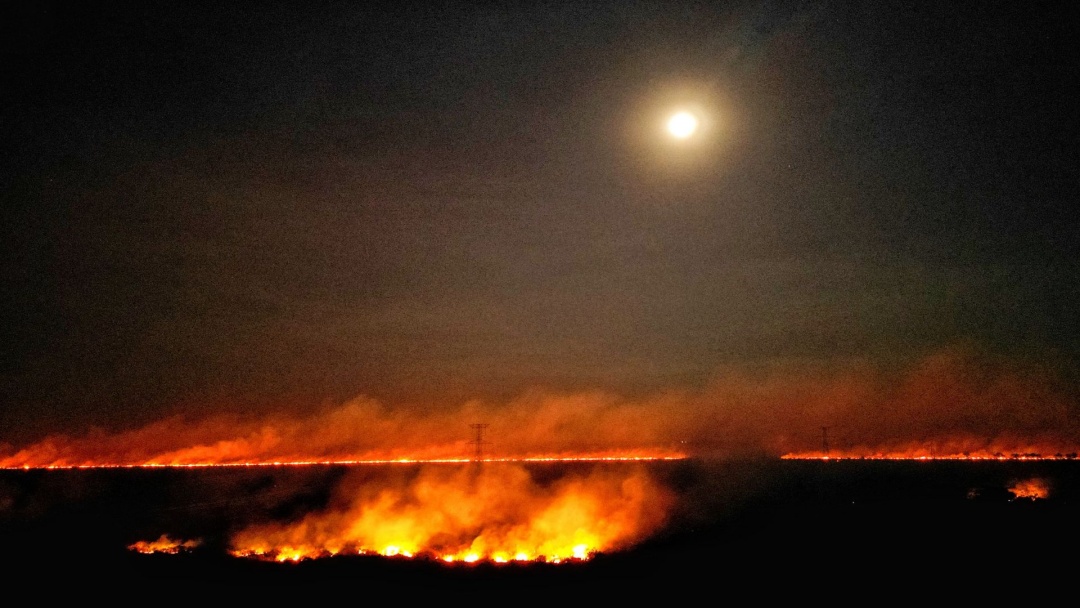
164, 544
1031, 489
495, 512
945, 450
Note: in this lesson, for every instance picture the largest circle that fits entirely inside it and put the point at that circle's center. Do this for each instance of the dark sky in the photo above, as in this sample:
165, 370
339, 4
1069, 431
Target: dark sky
251, 206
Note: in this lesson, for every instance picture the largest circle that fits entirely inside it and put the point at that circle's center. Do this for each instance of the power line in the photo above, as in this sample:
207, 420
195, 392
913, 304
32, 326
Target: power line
479, 442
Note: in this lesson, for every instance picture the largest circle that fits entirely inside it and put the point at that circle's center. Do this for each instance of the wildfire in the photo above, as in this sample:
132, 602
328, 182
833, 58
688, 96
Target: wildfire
164, 544
625, 457
496, 512
921, 452
643, 455
1031, 489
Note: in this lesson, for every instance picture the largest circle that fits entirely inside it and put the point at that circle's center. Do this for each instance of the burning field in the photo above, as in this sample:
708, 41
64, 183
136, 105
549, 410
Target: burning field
801, 474
493, 511
952, 404
557, 527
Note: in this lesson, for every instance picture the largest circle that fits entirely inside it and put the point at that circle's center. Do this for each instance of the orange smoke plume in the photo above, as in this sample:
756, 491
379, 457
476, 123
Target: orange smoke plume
487, 512
951, 404
536, 426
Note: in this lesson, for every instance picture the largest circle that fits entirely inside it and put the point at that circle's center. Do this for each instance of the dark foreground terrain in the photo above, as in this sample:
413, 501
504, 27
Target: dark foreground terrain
848, 532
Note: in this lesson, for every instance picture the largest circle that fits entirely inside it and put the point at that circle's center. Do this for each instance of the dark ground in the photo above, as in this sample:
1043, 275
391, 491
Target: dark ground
853, 532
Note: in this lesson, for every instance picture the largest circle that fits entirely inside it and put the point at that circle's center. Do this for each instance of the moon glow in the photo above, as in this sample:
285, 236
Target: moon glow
682, 125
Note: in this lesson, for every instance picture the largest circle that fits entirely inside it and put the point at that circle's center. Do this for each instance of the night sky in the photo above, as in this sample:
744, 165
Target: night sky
255, 208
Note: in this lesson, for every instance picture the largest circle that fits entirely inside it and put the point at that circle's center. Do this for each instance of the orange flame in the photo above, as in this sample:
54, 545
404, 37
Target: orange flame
1031, 489
164, 544
492, 512
947, 449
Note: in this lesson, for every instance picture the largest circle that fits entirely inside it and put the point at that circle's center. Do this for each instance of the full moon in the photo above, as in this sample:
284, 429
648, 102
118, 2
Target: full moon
682, 125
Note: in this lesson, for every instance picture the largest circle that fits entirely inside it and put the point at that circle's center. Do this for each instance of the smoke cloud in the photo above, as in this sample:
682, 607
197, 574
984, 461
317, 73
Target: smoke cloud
952, 402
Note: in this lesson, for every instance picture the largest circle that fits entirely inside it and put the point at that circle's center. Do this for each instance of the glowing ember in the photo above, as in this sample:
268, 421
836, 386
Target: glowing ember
1031, 489
494, 512
164, 544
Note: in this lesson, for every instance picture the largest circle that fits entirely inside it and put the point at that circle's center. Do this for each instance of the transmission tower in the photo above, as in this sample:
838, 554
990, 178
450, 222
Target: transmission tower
479, 442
